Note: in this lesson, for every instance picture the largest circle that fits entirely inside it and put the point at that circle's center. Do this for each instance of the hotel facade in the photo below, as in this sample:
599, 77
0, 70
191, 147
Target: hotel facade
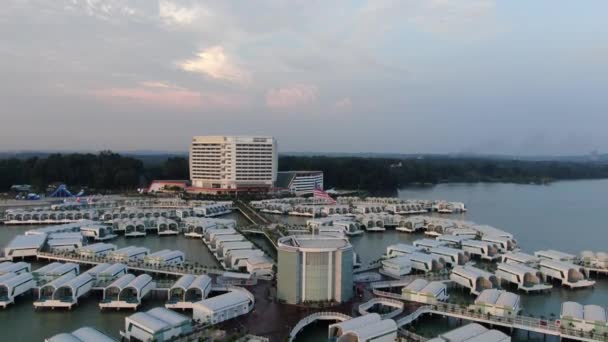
231, 163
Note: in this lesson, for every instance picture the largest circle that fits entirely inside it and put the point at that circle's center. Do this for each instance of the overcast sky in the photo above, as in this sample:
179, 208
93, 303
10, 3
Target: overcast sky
408, 76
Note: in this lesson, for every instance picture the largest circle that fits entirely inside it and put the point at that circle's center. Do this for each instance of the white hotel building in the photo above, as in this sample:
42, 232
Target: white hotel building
228, 163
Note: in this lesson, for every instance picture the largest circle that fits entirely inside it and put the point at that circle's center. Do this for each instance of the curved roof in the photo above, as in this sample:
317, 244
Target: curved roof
168, 316
7, 276
123, 281
64, 337
47, 268
76, 282
59, 281
465, 332
594, 313
370, 331
148, 321
98, 269
140, 282
416, 285
222, 301
200, 282
490, 335
16, 279
314, 242
114, 269
184, 282
572, 309
357, 322
87, 334
434, 287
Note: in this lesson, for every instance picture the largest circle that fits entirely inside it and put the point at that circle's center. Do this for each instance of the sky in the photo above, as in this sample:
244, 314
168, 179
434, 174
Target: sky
397, 76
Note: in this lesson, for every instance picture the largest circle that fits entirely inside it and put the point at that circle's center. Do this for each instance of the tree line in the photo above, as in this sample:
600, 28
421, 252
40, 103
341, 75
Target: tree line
108, 171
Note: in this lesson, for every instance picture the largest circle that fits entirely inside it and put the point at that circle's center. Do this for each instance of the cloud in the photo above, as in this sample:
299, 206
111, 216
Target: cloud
343, 104
214, 63
171, 13
155, 93
292, 96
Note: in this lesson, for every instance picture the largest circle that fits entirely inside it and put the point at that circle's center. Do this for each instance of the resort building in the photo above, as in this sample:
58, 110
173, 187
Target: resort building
425, 262
223, 307
65, 291
520, 258
227, 247
55, 270
451, 240
473, 278
584, 317
237, 259
525, 277
482, 249
15, 267
299, 182
13, 285
84, 334
411, 224
24, 246
422, 291
497, 303
472, 332
450, 256
97, 232
400, 249
130, 295
230, 163
503, 243
187, 290
568, 274
397, 267
596, 260
260, 266
165, 257
128, 254
112, 272
427, 244
551, 254
314, 268
96, 250
370, 327
158, 325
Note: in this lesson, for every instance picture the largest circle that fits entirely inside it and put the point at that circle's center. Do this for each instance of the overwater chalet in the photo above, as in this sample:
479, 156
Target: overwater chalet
411, 224
436, 227
187, 290
130, 253
84, 334
596, 260
370, 327
423, 291
473, 278
427, 244
472, 332
24, 246
165, 257
525, 277
223, 307
425, 262
551, 254
64, 291
397, 267
67, 244
482, 249
13, 285
450, 256
260, 266
497, 303
99, 249
226, 247
400, 249
237, 259
158, 325
55, 270
584, 317
210, 234
219, 239
15, 267
97, 232
112, 291
568, 274
503, 243
130, 295
95, 270
112, 272
454, 241
520, 258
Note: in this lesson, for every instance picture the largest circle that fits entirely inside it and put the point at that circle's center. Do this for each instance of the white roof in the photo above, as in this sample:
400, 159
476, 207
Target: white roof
26, 242
223, 301
78, 281
429, 243
65, 242
471, 272
169, 316
594, 313
452, 238
416, 285
140, 282
16, 279
402, 247
64, 337
521, 257
316, 242
8, 266
560, 265
98, 268
236, 244
434, 287
369, 331
553, 254
498, 297
98, 247
47, 268
259, 260
520, 269
464, 333
399, 261
490, 336
60, 281
114, 269
357, 322
184, 281
88, 334
147, 321
200, 282
572, 309
63, 268
123, 281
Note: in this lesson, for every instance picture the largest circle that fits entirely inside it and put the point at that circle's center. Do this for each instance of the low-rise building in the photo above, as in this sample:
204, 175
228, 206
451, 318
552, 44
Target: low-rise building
497, 303
584, 317
223, 307
158, 324
370, 327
